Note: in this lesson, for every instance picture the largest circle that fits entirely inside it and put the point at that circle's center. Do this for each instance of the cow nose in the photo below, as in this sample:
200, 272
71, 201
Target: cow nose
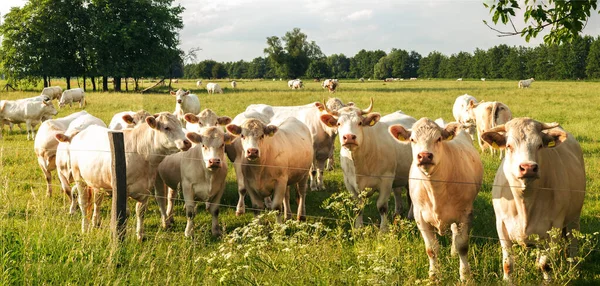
349, 138
528, 170
252, 153
179, 101
214, 163
424, 158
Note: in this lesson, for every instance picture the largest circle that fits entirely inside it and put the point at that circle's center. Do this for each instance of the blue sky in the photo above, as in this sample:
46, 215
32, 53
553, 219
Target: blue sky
230, 30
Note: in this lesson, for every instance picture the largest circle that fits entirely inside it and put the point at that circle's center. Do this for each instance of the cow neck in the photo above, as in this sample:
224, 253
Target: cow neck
525, 199
142, 133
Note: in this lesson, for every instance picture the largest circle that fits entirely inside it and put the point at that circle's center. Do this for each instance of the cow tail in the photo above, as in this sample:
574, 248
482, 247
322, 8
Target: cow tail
495, 112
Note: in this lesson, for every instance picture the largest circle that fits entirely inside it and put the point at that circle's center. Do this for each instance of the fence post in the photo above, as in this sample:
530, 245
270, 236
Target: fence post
118, 214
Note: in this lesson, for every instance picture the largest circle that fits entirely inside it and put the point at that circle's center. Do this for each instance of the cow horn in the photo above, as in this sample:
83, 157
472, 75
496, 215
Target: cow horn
334, 113
499, 128
549, 125
368, 110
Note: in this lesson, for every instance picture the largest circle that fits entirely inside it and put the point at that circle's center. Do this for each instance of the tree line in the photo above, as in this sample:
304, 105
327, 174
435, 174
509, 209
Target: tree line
295, 57
91, 38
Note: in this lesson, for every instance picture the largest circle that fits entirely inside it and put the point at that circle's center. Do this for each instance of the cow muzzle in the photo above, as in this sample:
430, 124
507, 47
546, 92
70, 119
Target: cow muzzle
213, 163
252, 154
528, 171
179, 101
186, 145
349, 140
424, 158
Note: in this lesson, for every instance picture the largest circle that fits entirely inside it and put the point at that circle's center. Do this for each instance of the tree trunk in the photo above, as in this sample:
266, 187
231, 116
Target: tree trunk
45, 81
117, 81
94, 83
135, 81
126, 84
104, 83
84, 83
68, 82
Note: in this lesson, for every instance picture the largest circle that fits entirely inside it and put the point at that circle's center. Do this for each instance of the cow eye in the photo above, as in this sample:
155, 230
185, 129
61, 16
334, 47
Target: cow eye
439, 140
412, 140
167, 128
199, 123
223, 145
339, 124
540, 147
360, 123
262, 136
242, 136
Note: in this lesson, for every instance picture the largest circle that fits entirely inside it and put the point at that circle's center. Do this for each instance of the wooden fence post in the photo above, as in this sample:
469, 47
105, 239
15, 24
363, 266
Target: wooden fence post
118, 214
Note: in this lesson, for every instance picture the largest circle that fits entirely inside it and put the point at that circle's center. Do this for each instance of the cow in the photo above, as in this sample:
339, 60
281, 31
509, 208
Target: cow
539, 185
483, 79
145, 147
45, 145
30, 112
63, 161
525, 83
297, 84
325, 83
54, 92
169, 171
70, 95
176, 81
442, 194
185, 102
332, 86
459, 79
233, 84
362, 79
199, 83
118, 120
276, 157
488, 115
291, 83
461, 113
213, 88
369, 157
10, 123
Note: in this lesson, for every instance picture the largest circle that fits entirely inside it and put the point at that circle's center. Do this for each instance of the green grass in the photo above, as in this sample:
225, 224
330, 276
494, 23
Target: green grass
41, 244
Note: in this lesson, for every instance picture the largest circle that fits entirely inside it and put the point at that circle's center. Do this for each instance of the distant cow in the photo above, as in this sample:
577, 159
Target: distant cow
362, 79
185, 102
461, 113
483, 79
213, 88
369, 157
118, 120
175, 81
70, 95
199, 83
54, 92
488, 115
233, 84
539, 185
277, 157
332, 86
442, 194
459, 79
525, 83
30, 112
297, 84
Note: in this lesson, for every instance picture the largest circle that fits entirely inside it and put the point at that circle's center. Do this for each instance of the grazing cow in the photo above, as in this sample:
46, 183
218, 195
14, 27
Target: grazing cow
332, 86
461, 113
297, 84
488, 115
169, 173
459, 79
483, 79
539, 185
276, 157
145, 147
45, 144
176, 81
442, 194
389, 79
233, 84
525, 83
185, 102
39, 98
213, 88
369, 157
362, 79
54, 92
291, 83
63, 161
199, 83
30, 112
413, 78
70, 95
118, 121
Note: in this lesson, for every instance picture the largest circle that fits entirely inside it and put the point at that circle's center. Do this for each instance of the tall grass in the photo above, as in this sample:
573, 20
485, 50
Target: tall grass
41, 244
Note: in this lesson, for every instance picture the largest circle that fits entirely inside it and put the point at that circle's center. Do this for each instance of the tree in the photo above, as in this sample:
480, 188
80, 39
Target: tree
592, 70
339, 65
362, 64
317, 69
429, 66
479, 64
566, 19
292, 58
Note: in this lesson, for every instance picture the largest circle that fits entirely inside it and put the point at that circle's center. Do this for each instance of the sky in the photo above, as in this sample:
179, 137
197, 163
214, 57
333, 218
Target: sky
232, 30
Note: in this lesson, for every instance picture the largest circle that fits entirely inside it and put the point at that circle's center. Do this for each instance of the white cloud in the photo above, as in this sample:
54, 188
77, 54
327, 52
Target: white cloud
360, 15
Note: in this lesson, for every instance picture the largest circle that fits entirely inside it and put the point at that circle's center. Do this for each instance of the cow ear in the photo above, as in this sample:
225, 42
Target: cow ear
371, 119
495, 139
173, 93
319, 106
234, 129
399, 132
194, 137
128, 119
351, 103
270, 130
224, 120
191, 118
450, 130
329, 120
553, 137
151, 122
187, 92
228, 138
62, 138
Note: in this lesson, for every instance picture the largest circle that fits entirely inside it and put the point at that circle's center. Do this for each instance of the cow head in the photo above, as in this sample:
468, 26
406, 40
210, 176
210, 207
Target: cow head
350, 122
135, 119
212, 140
427, 139
180, 95
207, 118
252, 133
167, 132
523, 138
48, 108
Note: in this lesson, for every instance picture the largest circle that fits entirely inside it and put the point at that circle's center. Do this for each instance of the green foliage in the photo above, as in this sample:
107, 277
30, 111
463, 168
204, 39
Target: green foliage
292, 59
592, 69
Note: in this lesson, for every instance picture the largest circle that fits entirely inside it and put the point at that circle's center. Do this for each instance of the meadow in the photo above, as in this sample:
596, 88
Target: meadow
40, 243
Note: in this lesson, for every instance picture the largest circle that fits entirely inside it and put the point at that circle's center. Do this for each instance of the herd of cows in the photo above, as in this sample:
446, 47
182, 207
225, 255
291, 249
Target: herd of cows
539, 185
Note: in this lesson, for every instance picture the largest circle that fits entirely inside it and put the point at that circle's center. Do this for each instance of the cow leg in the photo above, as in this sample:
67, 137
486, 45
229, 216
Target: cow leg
358, 223
313, 176
84, 204
301, 191
398, 203
431, 246
161, 199
170, 205
287, 209
279, 192
73, 199
330, 161
506, 243
140, 211
241, 206
542, 262
320, 172
98, 197
382, 206
66, 187
258, 203
47, 174
190, 208
213, 208
29, 127
460, 244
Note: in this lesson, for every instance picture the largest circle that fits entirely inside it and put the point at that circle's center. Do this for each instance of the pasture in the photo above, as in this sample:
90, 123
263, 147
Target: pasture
40, 243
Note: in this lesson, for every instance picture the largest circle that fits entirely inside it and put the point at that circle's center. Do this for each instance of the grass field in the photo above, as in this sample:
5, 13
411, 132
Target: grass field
41, 244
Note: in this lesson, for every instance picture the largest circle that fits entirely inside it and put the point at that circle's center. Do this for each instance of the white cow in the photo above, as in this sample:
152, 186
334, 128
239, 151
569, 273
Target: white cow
54, 92
39, 98
206, 118
291, 83
233, 84
213, 88
362, 79
461, 113
297, 84
70, 95
118, 120
145, 147
276, 157
325, 83
539, 185
30, 112
488, 115
459, 79
199, 83
369, 157
45, 145
525, 83
63, 161
185, 102
483, 79
442, 194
